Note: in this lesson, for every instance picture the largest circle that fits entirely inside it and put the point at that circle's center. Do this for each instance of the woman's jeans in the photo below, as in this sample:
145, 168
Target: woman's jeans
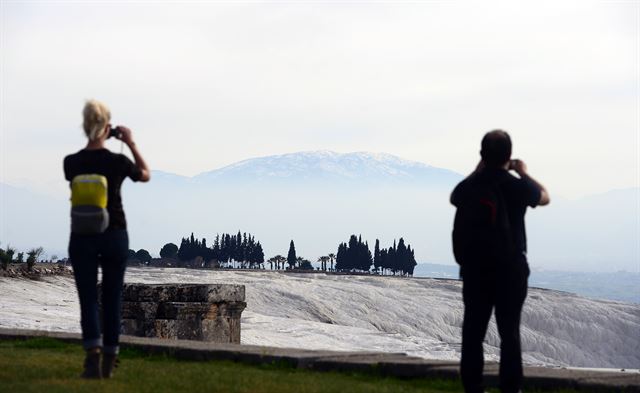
87, 252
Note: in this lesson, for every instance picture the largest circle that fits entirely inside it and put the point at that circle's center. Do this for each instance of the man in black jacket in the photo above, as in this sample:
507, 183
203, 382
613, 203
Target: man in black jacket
498, 281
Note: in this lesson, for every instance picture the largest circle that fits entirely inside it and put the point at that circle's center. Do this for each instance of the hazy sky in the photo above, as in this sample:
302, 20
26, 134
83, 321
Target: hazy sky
205, 84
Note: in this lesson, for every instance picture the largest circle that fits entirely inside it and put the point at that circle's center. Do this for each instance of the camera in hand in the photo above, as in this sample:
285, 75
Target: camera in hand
115, 132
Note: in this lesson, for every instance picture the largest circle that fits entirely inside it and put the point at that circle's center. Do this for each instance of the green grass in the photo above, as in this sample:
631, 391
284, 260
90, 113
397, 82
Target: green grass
47, 365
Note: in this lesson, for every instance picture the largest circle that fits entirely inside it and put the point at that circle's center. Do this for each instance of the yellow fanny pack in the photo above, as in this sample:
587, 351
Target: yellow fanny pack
89, 190
89, 204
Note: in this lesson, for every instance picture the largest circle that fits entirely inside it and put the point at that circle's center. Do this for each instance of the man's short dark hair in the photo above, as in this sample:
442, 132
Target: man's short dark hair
496, 148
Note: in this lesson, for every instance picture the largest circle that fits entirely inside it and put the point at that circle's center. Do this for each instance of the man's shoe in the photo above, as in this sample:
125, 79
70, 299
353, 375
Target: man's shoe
109, 364
92, 364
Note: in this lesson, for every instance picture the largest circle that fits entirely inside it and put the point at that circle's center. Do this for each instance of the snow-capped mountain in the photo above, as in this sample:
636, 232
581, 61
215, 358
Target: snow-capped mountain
323, 167
316, 198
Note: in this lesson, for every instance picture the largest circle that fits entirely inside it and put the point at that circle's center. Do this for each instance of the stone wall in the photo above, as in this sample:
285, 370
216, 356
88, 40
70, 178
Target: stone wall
205, 312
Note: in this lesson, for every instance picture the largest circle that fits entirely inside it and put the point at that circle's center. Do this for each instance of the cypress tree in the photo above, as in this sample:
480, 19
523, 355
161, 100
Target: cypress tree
383, 260
368, 259
291, 256
182, 251
411, 261
352, 253
401, 256
244, 249
392, 258
215, 252
238, 254
376, 256
204, 251
226, 256
341, 257
258, 254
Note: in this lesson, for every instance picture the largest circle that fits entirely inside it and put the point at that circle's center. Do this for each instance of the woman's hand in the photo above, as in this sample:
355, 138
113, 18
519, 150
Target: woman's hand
124, 134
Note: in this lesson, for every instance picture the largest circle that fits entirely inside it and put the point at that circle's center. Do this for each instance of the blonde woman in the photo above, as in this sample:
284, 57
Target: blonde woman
108, 247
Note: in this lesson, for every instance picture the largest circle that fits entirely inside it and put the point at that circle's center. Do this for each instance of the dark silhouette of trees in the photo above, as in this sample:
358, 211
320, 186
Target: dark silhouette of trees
356, 256
190, 248
399, 259
241, 249
143, 256
169, 250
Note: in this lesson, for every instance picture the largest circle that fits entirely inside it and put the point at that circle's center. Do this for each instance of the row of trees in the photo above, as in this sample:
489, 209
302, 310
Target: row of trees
7, 256
356, 256
226, 249
244, 250
398, 259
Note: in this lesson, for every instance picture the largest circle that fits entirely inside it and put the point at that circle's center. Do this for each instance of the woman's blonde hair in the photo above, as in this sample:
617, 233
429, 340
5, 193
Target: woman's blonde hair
95, 116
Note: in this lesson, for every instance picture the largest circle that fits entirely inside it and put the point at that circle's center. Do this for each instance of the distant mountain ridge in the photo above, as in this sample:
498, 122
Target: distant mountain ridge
328, 166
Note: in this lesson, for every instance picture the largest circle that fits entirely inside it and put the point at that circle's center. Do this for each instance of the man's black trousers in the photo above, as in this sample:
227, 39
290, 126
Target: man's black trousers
505, 290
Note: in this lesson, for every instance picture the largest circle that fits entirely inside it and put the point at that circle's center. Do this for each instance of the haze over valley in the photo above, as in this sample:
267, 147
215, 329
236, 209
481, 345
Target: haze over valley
319, 198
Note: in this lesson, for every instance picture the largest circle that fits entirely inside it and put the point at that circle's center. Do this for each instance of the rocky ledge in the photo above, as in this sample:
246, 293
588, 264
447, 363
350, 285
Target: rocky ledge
20, 270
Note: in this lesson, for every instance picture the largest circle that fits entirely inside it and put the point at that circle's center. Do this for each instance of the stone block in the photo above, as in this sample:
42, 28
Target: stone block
210, 293
204, 312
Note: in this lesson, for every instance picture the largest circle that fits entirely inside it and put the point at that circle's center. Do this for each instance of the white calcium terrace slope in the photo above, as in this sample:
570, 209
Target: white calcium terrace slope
421, 317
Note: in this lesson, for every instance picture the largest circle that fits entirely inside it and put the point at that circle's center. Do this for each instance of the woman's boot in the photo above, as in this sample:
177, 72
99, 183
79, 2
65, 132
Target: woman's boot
109, 363
92, 364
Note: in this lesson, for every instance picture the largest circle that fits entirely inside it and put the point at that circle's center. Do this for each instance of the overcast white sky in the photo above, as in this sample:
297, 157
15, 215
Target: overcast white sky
205, 84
